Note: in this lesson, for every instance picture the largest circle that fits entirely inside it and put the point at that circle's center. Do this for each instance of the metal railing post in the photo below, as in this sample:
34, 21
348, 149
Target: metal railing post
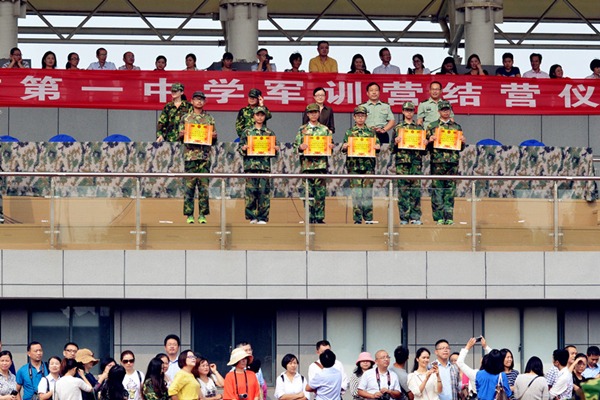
138, 214
473, 218
52, 214
390, 217
223, 216
306, 215
555, 207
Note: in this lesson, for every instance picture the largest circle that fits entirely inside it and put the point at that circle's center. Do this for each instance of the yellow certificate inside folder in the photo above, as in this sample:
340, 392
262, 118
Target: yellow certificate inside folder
447, 139
198, 134
414, 139
261, 145
317, 145
361, 147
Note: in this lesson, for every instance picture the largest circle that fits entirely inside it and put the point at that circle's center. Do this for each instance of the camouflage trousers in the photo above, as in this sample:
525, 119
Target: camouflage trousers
317, 190
409, 192
258, 198
362, 197
196, 166
443, 192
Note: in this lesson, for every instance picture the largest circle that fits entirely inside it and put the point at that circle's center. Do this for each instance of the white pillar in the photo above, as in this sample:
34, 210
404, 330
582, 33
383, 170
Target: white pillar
241, 26
479, 18
10, 10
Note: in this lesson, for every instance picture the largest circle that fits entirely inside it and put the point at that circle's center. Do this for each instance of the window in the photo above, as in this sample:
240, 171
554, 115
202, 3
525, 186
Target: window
89, 327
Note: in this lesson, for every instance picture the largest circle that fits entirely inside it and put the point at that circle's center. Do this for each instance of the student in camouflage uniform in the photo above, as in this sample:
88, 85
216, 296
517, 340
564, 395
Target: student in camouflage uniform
197, 160
258, 190
245, 118
168, 122
362, 189
314, 164
408, 162
443, 162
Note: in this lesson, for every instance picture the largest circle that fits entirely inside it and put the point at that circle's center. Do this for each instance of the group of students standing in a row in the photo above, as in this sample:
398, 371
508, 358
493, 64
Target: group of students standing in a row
372, 119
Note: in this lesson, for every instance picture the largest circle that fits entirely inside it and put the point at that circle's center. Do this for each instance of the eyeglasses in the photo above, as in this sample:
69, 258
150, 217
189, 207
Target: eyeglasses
128, 361
192, 357
443, 348
74, 58
320, 95
383, 358
71, 351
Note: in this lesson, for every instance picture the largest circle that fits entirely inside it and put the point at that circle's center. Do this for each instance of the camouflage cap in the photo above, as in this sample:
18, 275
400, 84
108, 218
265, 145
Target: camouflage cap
255, 93
177, 86
313, 107
199, 94
408, 106
443, 104
260, 109
360, 110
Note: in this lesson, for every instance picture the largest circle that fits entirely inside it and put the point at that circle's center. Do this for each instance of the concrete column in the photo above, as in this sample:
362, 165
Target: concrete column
478, 18
240, 18
10, 10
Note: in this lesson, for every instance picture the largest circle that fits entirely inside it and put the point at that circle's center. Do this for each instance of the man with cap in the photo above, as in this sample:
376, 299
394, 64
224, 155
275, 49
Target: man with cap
428, 111
197, 160
317, 188
245, 117
408, 162
86, 358
240, 383
362, 189
443, 162
258, 190
168, 122
379, 114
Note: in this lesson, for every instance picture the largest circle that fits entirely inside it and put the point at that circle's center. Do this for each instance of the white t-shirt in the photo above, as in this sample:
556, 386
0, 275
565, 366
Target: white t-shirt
69, 388
368, 382
208, 389
133, 385
285, 386
46, 381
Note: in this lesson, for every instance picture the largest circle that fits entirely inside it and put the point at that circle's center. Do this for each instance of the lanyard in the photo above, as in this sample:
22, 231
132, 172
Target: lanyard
378, 380
236, 384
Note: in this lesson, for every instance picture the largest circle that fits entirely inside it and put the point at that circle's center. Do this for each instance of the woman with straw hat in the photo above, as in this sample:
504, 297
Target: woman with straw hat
241, 384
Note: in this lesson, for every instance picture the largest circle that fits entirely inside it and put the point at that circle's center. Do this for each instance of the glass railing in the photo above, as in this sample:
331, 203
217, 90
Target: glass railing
275, 212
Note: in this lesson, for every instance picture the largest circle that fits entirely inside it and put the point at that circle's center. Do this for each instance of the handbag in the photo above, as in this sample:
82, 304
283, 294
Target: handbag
500, 393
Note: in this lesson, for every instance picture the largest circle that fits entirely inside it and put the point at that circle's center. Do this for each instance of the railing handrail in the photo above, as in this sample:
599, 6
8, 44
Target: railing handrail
296, 176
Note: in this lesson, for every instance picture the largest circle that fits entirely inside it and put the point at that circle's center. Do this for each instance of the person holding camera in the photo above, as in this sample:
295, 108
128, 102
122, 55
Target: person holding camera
424, 383
379, 382
264, 62
241, 384
8, 381
69, 387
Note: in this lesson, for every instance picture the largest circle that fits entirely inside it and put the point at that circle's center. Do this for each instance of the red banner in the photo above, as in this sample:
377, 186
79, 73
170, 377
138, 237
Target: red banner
227, 91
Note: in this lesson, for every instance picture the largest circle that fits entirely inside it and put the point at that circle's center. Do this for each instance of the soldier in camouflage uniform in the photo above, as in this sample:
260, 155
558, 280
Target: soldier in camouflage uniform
362, 189
197, 160
443, 162
245, 118
258, 190
314, 164
408, 162
167, 128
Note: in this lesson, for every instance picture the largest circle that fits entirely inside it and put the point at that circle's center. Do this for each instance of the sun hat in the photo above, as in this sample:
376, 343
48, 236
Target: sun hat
239, 354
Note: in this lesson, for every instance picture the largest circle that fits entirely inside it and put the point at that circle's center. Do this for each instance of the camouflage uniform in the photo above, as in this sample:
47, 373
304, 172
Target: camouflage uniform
443, 162
317, 188
258, 190
197, 160
245, 118
362, 189
408, 162
168, 122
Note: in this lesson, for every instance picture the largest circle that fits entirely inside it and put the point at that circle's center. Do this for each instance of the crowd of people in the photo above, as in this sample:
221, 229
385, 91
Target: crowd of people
320, 63
186, 375
373, 119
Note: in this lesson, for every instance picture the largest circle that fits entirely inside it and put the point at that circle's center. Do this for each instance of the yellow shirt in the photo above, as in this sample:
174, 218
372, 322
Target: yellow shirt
185, 386
315, 65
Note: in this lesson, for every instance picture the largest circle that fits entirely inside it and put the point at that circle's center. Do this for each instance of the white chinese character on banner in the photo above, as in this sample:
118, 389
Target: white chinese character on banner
348, 92
577, 91
162, 89
401, 92
284, 91
223, 90
464, 95
41, 88
520, 95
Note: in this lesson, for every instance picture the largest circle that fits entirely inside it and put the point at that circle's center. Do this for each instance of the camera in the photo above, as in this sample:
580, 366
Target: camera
268, 57
385, 396
14, 393
243, 396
